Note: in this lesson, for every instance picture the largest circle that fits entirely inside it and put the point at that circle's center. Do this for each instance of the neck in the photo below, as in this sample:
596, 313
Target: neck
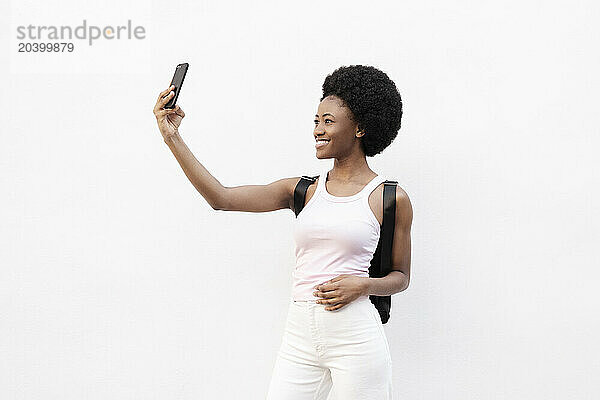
351, 170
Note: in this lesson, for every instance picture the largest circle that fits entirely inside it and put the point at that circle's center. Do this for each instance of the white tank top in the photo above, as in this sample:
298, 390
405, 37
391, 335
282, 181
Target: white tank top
334, 235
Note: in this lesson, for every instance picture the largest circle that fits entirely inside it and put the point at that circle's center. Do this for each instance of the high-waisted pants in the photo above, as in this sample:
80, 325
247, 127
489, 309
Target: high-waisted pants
344, 351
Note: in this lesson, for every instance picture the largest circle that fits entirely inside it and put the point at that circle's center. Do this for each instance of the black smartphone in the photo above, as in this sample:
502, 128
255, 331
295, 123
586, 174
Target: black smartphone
177, 80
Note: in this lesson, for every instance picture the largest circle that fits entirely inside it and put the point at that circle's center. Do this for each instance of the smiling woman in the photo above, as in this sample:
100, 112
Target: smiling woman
366, 98
333, 339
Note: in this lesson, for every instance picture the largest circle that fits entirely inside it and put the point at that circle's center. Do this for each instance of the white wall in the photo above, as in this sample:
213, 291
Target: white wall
118, 280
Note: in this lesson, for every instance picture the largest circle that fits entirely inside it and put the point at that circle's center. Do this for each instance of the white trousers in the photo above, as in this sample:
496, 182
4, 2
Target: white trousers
344, 351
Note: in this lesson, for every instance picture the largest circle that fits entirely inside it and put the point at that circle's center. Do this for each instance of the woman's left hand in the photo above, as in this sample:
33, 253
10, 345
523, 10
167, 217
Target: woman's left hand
341, 290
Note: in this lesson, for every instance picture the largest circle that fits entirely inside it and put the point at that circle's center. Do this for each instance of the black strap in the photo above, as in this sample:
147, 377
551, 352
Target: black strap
387, 228
300, 192
383, 266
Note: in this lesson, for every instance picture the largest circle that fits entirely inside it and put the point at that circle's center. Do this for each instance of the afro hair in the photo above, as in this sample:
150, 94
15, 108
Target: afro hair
374, 102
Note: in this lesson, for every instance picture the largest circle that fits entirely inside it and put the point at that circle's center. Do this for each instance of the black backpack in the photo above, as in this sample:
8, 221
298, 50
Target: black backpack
381, 263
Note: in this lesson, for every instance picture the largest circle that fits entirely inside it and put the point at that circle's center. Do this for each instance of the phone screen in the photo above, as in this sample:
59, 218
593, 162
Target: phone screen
177, 81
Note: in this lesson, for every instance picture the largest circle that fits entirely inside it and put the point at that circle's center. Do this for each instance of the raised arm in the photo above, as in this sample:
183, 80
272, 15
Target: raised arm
251, 198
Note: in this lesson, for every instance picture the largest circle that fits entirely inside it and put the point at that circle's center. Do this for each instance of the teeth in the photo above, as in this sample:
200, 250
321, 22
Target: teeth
321, 143
322, 140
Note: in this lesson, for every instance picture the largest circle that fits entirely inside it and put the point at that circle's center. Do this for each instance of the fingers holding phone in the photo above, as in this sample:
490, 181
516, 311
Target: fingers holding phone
163, 98
168, 119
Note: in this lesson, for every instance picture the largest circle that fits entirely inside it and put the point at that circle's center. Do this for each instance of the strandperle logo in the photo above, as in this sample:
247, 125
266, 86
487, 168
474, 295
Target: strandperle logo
91, 32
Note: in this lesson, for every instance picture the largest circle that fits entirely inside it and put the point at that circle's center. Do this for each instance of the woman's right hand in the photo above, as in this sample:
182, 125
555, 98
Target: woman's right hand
168, 119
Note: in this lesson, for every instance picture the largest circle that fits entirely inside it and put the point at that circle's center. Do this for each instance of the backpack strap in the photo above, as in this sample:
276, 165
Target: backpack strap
300, 191
381, 264
388, 224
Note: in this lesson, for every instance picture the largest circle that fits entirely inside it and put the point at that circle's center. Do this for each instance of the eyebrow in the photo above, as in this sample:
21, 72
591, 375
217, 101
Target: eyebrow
316, 115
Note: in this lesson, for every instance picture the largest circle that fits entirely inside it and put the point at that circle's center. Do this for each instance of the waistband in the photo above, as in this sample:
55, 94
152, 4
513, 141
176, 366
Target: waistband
358, 299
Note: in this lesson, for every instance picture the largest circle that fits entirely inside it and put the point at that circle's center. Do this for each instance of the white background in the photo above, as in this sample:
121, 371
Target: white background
119, 281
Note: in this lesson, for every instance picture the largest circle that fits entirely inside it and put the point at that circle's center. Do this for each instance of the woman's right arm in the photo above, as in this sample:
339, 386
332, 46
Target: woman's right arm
251, 198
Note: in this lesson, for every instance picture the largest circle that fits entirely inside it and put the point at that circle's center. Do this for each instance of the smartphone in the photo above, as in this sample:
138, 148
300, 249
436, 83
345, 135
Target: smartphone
177, 80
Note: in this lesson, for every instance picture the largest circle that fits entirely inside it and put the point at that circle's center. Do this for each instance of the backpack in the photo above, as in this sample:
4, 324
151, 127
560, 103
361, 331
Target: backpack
381, 263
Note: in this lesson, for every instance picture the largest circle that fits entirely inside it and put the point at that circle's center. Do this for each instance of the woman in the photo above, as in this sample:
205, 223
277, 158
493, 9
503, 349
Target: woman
334, 339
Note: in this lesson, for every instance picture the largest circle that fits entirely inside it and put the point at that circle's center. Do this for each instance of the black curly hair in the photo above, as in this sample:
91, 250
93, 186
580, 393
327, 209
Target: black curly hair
374, 102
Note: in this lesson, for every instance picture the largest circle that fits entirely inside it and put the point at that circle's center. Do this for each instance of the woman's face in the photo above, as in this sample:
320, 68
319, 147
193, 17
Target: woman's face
333, 123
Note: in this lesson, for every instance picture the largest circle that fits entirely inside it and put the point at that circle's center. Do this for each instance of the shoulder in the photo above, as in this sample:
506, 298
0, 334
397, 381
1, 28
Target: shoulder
403, 204
290, 185
375, 200
402, 198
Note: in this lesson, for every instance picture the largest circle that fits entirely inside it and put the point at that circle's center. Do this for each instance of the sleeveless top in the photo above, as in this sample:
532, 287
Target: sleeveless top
333, 235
